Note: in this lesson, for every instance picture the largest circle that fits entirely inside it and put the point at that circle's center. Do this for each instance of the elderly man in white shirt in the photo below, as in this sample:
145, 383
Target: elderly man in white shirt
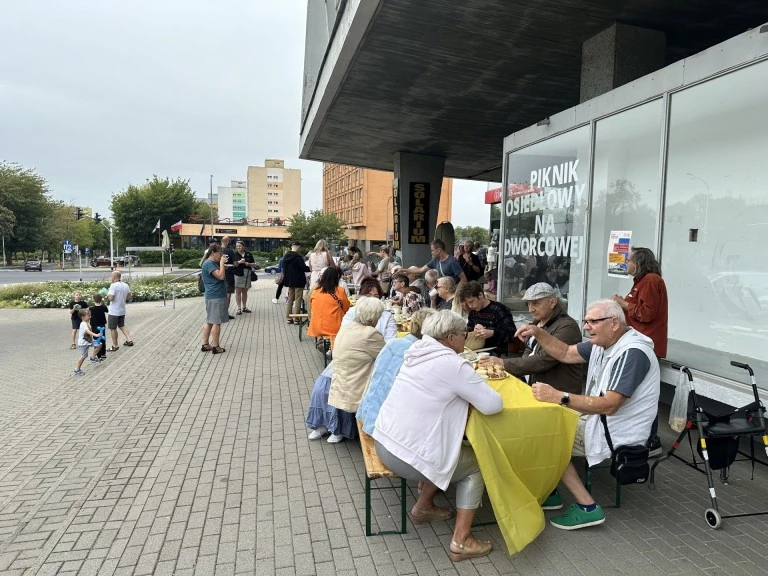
419, 429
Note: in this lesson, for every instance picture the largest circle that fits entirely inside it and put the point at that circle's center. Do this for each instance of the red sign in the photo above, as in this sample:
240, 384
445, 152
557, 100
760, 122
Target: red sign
493, 196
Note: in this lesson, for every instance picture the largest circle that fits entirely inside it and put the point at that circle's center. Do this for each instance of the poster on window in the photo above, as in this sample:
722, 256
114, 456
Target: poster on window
618, 253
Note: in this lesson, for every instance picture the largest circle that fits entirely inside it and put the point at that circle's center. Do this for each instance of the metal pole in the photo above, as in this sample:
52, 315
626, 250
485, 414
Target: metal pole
163, 257
80, 263
174, 294
4, 261
211, 205
111, 250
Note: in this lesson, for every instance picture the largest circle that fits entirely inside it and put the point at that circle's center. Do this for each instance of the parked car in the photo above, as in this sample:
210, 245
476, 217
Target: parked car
100, 261
33, 264
271, 269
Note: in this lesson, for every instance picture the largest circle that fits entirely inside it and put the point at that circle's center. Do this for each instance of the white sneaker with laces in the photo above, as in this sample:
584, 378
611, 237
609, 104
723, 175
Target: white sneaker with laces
275, 300
335, 439
318, 433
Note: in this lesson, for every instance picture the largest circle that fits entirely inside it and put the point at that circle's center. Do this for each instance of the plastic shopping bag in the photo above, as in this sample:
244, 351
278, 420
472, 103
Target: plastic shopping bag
678, 414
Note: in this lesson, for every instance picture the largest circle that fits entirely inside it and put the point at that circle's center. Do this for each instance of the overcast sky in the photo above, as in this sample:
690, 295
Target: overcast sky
96, 95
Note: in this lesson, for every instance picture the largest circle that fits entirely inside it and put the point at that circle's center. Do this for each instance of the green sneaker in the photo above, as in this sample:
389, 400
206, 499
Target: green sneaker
553, 502
575, 518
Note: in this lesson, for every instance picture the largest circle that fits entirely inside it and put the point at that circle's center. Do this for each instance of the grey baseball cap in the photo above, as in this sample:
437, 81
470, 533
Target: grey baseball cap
539, 291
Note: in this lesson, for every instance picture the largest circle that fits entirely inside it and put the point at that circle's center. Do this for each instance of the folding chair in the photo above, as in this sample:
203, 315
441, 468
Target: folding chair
719, 437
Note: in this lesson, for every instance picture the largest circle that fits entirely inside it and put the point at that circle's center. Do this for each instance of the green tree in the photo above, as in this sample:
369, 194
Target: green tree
137, 209
318, 225
475, 233
202, 212
25, 194
61, 224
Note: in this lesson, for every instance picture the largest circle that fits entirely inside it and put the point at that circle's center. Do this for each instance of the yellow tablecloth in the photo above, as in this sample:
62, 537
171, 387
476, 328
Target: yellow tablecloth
522, 451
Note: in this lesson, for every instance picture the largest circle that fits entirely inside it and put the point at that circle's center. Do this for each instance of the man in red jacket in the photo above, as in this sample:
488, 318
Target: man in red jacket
645, 308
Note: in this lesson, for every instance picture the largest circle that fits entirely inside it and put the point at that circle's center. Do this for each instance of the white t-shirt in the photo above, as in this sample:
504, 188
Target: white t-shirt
81, 341
120, 291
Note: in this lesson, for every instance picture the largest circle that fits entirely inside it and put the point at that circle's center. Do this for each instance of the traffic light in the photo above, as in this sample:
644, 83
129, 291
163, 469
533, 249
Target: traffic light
78, 213
97, 218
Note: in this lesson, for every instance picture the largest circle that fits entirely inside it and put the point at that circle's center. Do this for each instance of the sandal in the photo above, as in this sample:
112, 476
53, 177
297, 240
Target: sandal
217, 350
239, 312
72, 347
433, 515
246, 310
206, 348
128, 343
484, 548
290, 322
113, 348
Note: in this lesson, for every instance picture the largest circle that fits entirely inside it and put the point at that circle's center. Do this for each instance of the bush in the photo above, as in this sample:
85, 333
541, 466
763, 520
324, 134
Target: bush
192, 264
59, 294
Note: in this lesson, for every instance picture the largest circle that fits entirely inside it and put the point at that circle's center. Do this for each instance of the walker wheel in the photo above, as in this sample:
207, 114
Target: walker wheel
712, 517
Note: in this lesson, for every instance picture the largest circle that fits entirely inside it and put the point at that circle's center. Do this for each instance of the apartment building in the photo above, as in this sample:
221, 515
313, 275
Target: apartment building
274, 191
233, 200
363, 199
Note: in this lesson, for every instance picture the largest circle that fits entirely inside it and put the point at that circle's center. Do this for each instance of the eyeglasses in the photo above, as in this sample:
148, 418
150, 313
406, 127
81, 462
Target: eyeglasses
596, 320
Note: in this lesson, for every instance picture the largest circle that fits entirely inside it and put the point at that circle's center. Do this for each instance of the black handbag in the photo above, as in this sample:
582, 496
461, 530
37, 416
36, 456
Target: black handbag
200, 283
253, 276
629, 463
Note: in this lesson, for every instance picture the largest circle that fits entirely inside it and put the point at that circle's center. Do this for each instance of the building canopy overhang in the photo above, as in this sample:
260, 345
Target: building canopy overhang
452, 79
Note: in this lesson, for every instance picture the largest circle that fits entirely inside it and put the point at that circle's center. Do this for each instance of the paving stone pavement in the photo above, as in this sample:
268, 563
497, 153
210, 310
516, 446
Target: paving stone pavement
166, 460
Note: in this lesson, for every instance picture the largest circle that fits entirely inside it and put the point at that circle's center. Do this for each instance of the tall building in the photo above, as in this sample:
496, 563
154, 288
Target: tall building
363, 199
233, 200
274, 191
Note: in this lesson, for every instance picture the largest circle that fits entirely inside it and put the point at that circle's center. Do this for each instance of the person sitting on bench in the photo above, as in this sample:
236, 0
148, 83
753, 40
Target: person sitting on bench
622, 383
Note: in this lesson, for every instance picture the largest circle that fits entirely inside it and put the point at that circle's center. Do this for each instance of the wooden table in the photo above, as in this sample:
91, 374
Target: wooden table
522, 451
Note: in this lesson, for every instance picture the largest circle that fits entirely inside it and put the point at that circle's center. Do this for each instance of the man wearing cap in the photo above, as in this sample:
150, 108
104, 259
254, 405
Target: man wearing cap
538, 366
294, 279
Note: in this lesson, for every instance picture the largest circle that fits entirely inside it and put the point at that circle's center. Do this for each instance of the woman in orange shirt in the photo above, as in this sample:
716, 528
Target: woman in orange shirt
328, 303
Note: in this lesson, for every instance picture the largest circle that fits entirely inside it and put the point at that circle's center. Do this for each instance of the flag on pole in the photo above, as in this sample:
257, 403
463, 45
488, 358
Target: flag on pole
176, 227
157, 226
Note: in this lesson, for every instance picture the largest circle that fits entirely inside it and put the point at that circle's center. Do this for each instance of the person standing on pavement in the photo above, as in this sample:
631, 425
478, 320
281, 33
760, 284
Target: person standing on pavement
279, 281
444, 263
319, 259
99, 320
646, 310
119, 293
470, 263
230, 270
244, 263
76, 304
214, 273
295, 279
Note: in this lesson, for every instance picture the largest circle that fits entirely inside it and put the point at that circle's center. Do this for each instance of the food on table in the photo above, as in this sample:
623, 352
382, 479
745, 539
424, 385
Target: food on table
490, 371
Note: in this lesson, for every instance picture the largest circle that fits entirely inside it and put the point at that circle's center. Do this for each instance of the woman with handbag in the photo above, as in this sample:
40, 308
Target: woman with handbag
328, 303
244, 266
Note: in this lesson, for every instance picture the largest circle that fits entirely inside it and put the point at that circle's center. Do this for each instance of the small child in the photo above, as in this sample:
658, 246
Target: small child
84, 337
99, 320
76, 304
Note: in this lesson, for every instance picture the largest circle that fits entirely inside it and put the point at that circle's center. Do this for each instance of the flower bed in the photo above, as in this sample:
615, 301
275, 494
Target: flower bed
59, 294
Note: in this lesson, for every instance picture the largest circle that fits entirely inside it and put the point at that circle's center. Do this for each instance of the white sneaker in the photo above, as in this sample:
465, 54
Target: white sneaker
335, 439
318, 433
275, 300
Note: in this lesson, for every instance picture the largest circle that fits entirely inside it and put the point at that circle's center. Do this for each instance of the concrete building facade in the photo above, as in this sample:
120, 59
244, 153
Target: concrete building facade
363, 199
274, 191
233, 200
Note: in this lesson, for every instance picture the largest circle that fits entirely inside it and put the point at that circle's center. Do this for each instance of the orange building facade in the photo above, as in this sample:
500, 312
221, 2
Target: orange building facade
363, 199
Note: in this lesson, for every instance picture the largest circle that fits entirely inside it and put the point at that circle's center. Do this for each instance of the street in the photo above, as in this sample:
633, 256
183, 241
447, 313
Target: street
16, 276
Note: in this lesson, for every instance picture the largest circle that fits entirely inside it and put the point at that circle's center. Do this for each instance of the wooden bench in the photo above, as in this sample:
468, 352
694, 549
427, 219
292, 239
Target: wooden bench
374, 469
301, 320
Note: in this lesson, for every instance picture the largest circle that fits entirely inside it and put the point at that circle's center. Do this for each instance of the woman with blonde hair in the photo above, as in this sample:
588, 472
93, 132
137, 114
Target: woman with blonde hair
319, 259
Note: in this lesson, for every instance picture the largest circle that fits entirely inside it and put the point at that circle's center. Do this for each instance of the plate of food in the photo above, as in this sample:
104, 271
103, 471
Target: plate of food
491, 371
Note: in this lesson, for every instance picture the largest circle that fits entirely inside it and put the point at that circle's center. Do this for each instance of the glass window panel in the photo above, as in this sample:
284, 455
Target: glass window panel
625, 190
716, 221
547, 186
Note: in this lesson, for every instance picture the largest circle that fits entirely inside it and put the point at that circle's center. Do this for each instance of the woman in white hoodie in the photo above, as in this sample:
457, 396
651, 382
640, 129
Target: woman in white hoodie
418, 433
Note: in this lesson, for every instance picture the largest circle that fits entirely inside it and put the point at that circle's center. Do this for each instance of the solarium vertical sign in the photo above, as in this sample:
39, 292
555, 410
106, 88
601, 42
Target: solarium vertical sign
418, 219
551, 196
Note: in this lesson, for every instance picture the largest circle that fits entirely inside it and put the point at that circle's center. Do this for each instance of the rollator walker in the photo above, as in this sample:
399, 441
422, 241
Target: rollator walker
719, 438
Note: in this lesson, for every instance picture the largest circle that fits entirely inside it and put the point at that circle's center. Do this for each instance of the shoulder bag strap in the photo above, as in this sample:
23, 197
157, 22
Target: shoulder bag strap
333, 295
604, 420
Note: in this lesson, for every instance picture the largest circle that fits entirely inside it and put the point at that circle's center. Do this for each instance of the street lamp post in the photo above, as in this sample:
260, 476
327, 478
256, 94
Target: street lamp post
211, 204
